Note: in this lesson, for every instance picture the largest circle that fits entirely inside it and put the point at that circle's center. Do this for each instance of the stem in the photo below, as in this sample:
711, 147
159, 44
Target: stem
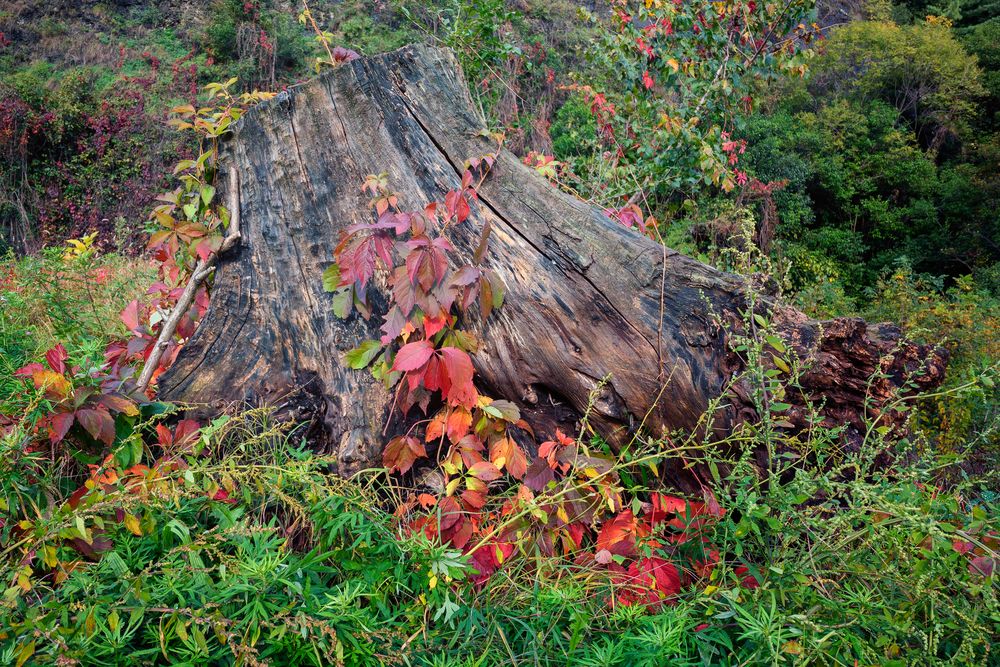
201, 271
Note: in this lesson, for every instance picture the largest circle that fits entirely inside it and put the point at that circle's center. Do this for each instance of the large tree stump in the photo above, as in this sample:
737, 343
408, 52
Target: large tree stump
587, 298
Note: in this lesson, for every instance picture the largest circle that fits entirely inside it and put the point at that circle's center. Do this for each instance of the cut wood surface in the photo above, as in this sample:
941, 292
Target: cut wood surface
587, 298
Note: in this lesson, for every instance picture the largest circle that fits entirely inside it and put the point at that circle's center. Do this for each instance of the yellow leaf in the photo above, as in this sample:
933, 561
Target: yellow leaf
132, 524
792, 647
52, 382
673, 64
561, 513
26, 652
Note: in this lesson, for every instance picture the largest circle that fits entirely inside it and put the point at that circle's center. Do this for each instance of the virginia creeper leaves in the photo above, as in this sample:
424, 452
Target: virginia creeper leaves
362, 355
401, 453
413, 356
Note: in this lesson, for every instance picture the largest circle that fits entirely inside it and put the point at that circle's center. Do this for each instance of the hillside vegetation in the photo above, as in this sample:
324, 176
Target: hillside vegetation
843, 157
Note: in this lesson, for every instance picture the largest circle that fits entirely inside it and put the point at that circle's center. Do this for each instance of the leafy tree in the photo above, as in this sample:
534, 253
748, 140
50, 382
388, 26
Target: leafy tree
921, 70
983, 41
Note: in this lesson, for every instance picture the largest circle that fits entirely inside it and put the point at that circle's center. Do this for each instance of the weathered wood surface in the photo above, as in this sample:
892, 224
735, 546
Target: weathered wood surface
587, 298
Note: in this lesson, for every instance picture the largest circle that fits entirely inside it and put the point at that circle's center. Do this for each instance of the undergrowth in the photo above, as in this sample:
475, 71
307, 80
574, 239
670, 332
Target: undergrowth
233, 544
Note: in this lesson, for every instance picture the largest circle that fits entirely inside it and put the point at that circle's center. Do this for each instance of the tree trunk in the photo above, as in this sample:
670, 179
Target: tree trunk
587, 298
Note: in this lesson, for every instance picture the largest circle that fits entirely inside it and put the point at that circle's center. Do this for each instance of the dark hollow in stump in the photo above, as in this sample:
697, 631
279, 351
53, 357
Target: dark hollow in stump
587, 298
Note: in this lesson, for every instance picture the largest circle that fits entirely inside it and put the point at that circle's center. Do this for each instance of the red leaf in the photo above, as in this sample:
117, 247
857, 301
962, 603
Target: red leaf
458, 366
749, 581
451, 512
470, 448
576, 531
99, 423
342, 54
982, 565
204, 250
77, 496
223, 496
517, 465
59, 426
185, 432
29, 371
474, 499
488, 558
618, 534
56, 358
539, 474
130, 316
393, 325
436, 427
459, 423
657, 574
413, 355
434, 324
457, 205
962, 547
433, 376
505, 453
465, 276
461, 533
164, 437
117, 403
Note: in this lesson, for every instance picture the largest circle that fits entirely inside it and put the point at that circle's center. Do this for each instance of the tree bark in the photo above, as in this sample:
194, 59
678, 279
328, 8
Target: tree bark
587, 298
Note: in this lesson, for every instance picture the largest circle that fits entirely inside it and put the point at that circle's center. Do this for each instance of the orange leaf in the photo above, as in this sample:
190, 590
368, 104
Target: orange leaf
401, 453
504, 453
436, 427
459, 423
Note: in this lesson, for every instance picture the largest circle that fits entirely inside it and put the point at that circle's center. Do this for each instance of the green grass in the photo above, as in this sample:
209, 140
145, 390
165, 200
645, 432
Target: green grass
49, 299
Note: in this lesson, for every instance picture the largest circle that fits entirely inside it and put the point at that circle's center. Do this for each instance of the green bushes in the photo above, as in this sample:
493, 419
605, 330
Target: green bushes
209, 581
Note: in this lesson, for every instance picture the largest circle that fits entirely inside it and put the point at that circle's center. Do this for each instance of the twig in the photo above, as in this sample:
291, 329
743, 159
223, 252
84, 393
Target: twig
201, 271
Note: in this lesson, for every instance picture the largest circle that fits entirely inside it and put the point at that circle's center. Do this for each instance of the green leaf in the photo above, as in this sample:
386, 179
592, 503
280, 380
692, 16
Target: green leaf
207, 192
342, 303
362, 355
331, 278
499, 289
780, 363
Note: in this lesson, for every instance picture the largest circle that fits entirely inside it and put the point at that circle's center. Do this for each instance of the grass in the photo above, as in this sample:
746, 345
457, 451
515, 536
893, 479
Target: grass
72, 300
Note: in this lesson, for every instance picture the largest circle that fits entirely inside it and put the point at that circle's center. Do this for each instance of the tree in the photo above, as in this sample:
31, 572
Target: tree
920, 69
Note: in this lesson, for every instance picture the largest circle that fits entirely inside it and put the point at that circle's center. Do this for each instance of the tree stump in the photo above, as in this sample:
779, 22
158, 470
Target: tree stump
587, 298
